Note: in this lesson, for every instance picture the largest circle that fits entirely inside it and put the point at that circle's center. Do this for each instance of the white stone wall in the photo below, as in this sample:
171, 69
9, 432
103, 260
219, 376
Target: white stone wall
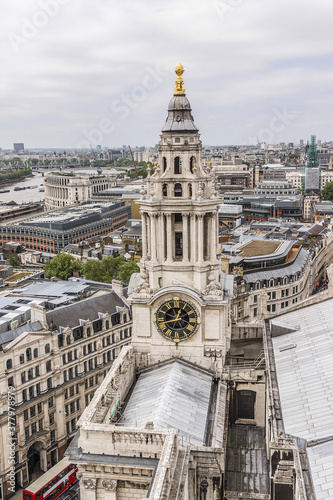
66, 190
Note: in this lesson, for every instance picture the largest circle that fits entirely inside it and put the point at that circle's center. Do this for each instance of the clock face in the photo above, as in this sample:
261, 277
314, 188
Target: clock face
177, 319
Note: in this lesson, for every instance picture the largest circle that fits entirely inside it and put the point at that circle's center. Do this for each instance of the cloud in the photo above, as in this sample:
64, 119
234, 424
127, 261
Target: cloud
242, 60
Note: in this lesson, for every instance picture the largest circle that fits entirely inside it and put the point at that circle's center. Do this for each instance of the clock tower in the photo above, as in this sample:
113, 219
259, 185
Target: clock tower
179, 302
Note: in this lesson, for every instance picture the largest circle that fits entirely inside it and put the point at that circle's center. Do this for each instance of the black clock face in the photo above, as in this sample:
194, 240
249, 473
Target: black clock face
177, 319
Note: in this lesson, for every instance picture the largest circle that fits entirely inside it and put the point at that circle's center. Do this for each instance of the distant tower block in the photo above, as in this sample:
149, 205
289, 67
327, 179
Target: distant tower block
18, 146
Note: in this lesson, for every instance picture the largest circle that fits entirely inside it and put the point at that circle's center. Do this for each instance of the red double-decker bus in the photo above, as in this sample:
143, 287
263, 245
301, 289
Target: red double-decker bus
53, 483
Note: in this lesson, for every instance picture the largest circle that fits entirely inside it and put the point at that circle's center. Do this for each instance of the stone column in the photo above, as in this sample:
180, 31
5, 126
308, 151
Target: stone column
193, 239
88, 488
110, 488
213, 249
144, 235
162, 239
149, 236
200, 237
217, 229
185, 238
169, 238
153, 237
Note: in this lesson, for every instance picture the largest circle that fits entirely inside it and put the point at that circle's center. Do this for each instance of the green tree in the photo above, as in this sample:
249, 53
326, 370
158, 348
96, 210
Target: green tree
127, 269
327, 191
92, 270
62, 266
110, 268
14, 261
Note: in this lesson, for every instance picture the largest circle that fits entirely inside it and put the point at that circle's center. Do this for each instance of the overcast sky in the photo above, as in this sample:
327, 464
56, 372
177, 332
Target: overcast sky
80, 72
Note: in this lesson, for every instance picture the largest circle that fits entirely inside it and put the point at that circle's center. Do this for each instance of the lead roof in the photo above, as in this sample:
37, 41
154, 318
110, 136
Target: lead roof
171, 396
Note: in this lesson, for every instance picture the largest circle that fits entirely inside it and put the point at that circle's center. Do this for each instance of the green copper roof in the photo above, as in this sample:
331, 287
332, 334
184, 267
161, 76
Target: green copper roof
312, 154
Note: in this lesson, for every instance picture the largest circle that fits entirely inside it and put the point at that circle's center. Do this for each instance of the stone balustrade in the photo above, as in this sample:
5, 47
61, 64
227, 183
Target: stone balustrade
166, 468
114, 388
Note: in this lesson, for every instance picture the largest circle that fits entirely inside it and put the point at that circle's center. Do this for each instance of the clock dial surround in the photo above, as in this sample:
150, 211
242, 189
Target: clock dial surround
177, 319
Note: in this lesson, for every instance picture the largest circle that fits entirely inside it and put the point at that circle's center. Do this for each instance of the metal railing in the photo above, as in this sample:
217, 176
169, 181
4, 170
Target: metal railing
235, 363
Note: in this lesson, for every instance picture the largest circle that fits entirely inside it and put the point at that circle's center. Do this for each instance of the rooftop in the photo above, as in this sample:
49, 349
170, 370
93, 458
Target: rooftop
87, 309
256, 248
70, 217
172, 396
306, 396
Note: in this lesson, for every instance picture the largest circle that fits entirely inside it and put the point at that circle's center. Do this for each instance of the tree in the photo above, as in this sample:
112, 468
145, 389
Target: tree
110, 268
327, 191
14, 261
62, 266
127, 269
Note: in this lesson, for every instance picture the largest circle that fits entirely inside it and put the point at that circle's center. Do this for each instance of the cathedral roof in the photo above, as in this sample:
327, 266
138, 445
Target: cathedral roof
171, 396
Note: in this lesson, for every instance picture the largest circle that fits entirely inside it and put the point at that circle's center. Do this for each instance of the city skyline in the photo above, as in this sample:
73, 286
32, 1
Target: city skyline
77, 73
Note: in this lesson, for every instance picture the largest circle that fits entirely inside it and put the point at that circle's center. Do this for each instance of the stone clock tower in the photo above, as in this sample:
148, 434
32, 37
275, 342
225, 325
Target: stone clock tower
179, 302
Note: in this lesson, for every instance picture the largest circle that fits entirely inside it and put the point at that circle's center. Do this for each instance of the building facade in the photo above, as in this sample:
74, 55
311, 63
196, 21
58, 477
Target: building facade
52, 232
53, 367
280, 280
63, 190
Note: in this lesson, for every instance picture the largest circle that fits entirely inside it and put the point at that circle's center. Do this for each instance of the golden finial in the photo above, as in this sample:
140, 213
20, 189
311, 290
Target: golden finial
179, 88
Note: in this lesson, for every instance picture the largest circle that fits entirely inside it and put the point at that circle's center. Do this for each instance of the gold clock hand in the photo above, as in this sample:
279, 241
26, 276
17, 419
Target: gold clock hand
174, 319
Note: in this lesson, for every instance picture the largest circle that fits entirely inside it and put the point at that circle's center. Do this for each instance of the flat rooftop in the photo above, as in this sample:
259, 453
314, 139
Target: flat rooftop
256, 248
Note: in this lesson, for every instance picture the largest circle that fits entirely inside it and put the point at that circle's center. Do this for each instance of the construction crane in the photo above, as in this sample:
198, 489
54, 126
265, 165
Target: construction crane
137, 175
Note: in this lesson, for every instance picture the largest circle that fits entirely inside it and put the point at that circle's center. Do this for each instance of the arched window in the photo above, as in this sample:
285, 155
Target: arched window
9, 364
28, 354
192, 163
21, 359
68, 339
36, 353
258, 285
178, 191
125, 318
165, 190
190, 190
47, 348
178, 165
164, 163
107, 325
